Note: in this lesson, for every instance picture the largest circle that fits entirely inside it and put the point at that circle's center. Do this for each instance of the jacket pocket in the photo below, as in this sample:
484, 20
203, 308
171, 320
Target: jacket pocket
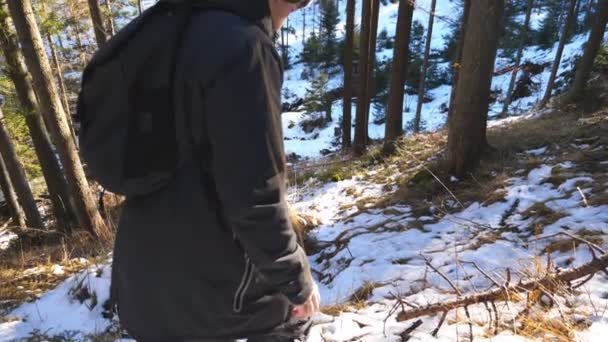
239, 295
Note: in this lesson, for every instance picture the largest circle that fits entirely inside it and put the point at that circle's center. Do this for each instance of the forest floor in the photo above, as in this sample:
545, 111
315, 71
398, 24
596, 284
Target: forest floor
381, 227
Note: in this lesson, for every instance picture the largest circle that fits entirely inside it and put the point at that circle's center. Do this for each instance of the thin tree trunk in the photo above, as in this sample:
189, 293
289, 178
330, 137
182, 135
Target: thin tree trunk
62, 89
97, 19
111, 25
394, 115
425, 67
51, 170
303, 26
520, 53
10, 196
371, 84
360, 131
79, 45
33, 50
140, 6
558, 55
467, 127
348, 74
585, 65
19, 178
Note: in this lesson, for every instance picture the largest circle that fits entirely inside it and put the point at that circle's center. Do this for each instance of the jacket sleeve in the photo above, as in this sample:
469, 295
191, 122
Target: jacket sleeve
245, 134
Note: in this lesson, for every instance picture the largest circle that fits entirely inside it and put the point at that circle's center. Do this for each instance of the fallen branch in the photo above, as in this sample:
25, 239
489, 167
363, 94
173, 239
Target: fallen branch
548, 281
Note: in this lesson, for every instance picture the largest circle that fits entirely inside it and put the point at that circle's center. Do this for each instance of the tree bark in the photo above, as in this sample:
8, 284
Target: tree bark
467, 126
456, 66
18, 178
110, 18
10, 196
585, 64
29, 35
81, 50
520, 53
394, 114
371, 83
425, 67
558, 55
43, 146
547, 282
62, 89
303, 26
348, 74
359, 145
97, 19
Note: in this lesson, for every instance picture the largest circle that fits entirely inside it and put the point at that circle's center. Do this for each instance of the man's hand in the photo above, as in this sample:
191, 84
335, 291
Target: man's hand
306, 310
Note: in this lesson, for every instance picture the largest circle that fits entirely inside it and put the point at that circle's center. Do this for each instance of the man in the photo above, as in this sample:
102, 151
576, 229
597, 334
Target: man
213, 256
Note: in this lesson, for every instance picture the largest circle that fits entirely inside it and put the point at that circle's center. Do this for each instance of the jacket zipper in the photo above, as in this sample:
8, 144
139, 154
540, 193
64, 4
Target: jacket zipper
237, 304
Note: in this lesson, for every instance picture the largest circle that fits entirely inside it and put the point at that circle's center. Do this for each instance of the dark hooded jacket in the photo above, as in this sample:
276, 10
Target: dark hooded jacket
213, 254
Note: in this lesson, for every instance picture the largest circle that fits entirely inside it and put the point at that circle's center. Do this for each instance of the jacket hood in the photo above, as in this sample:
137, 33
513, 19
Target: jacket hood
257, 11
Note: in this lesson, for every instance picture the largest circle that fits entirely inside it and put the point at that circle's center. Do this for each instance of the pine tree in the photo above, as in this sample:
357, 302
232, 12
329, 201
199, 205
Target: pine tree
558, 55
520, 51
550, 25
317, 97
18, 178
425, 65
348, 54
467, 125
394, 119
51, 170
585, 64
327, 33
360, 141
97, 19
29, 36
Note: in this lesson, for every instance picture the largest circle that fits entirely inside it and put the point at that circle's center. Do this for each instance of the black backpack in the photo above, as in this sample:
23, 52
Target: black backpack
126, 104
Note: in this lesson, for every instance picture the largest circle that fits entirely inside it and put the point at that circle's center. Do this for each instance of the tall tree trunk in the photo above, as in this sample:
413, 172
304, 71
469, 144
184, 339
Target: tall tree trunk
371, 83
51, 169
97, 19
303, 26
10, 196
520, 53
348, 74
394, 114
585, 64
140, 6
81, 50
110, 18
360, 131
558, 55
467, 127
425, 67
62, 89
456, 66
19, 178
33, 50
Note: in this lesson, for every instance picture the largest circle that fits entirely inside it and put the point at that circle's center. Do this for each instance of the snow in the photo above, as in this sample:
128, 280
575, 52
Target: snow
390, 247
5, 238
432, 112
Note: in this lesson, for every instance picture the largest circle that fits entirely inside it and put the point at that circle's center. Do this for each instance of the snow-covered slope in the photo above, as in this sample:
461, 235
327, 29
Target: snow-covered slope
309, 145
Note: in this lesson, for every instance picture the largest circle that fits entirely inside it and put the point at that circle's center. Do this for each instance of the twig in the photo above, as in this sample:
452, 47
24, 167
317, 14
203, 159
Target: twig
466, 311
481, 271
574, 237
434, 333
548, 281
583, 196
428, 262
406, 334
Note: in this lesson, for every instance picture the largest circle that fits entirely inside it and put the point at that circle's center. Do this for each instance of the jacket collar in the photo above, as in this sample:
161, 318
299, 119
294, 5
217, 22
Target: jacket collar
256, 11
